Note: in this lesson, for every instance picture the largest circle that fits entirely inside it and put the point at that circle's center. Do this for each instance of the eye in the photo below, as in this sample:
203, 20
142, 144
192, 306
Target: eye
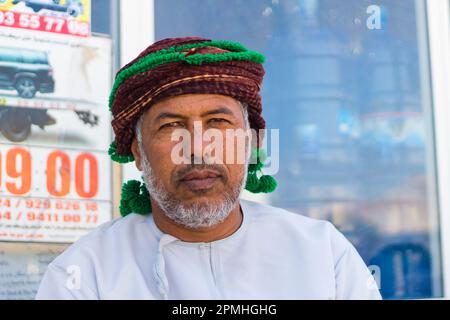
175, 124
218, 120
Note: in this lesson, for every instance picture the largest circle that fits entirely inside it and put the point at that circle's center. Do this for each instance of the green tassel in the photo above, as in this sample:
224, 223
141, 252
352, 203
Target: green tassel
258, 155
255, 167
257, 159
112, 151
267, 184
134, 198
263, 184
252, 184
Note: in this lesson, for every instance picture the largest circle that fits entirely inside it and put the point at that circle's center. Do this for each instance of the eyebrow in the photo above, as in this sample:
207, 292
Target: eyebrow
169, 115
218, 111
172, 115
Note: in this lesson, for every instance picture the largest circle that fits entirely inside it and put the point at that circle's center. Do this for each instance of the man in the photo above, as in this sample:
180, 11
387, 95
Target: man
200, 240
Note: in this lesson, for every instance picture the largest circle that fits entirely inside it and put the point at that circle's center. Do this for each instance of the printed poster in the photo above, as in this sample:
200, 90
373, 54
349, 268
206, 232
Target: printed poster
55, 173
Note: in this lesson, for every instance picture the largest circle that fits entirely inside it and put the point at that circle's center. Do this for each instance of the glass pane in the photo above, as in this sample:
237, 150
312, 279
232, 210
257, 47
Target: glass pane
101, 16
356, 145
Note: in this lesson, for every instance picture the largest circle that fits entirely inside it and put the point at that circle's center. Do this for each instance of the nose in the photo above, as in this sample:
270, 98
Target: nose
199, 145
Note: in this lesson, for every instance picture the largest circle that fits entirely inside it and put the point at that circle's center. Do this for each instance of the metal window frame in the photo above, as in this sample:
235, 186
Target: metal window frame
137, 30
438, 14
136, 33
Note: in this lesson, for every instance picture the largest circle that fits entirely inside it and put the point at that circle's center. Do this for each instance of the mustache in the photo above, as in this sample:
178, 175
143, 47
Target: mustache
186, 169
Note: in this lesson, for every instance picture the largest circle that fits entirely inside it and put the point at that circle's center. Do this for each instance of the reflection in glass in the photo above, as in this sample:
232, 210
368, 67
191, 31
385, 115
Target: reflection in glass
348, 86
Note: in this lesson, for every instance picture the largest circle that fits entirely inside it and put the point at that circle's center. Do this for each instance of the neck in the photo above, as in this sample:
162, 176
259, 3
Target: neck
205, 234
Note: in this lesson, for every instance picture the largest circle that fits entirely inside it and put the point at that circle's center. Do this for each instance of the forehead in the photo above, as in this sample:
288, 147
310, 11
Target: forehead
193, 105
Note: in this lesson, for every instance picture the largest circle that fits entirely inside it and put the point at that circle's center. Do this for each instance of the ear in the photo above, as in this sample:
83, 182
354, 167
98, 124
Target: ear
136, 154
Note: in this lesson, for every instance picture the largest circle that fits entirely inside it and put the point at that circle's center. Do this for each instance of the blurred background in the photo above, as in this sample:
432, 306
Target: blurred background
358, 90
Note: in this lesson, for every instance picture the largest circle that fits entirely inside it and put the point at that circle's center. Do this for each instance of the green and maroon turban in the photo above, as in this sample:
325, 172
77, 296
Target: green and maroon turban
176, 66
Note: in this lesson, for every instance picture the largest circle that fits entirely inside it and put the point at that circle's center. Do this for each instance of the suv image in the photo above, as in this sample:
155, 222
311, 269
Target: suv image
73, 7
26, 71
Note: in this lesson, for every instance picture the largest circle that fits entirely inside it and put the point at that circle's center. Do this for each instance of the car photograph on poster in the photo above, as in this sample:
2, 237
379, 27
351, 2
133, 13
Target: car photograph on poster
28, 72
73, 8
25, 71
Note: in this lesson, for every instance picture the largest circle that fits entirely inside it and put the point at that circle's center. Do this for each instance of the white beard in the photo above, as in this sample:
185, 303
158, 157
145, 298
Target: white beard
193, 216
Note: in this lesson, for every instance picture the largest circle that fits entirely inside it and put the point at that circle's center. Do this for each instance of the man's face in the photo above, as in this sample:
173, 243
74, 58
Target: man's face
192, 185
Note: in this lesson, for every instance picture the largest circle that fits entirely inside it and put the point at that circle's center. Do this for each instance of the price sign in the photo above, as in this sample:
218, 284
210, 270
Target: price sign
66, 17
50, 194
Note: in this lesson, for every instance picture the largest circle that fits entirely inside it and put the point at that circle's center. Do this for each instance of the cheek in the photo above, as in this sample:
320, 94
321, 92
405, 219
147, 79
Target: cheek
159, 156
236, 173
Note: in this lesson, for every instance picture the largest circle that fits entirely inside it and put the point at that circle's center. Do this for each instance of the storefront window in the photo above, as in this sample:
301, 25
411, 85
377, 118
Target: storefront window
347, 84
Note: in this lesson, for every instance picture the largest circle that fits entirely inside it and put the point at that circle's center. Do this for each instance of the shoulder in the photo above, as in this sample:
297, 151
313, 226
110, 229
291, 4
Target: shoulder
319, 244
259, 213
296, 228
107, 239
98, 256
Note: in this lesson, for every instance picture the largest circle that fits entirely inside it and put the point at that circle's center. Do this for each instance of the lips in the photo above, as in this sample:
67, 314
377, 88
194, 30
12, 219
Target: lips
203, 179
203, 174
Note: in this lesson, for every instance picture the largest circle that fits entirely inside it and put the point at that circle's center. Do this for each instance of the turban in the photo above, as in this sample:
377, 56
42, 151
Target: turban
176, 66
